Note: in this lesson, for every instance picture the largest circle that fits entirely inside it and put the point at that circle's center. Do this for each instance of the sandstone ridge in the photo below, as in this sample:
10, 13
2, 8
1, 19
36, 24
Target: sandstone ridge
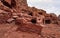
19, 20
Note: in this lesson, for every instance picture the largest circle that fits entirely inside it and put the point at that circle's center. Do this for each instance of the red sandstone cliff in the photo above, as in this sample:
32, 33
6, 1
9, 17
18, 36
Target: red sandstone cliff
17, 20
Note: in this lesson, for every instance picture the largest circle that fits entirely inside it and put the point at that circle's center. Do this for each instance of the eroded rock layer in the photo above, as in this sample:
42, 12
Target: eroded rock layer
17, 19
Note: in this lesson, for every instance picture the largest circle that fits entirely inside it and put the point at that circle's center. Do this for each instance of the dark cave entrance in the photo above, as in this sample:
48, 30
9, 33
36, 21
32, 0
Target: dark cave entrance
47, 21
34, 21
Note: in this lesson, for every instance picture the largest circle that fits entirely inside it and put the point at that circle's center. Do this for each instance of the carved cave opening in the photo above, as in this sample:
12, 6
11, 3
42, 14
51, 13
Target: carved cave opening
48, 21
34, 21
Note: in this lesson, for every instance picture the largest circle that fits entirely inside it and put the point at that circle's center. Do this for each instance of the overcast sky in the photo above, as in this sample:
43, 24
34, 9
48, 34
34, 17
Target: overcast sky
51, 6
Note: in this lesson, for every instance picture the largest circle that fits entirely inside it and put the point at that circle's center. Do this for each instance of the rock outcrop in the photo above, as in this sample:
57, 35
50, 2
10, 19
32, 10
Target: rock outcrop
26, 19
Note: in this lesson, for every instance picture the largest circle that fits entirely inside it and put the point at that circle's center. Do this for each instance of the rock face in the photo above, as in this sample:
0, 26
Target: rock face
20, 21
59, 17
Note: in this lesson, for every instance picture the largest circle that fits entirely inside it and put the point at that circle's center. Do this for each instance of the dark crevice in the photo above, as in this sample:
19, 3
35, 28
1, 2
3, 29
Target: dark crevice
31, 14
40, 13
6, 3
34, 21
47, 21
13, 3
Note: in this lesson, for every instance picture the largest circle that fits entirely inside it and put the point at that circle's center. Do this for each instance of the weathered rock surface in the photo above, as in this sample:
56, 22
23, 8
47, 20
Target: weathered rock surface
21, 21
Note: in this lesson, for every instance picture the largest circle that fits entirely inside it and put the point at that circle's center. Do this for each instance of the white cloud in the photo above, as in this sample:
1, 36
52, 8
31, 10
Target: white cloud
46, 0
51, 6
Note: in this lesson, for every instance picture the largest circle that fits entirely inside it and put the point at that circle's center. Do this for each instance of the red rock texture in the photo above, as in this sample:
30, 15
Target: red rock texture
22, 21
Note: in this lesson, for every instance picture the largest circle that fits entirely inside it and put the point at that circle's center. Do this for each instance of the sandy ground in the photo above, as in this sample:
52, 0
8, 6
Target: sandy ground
9, 31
